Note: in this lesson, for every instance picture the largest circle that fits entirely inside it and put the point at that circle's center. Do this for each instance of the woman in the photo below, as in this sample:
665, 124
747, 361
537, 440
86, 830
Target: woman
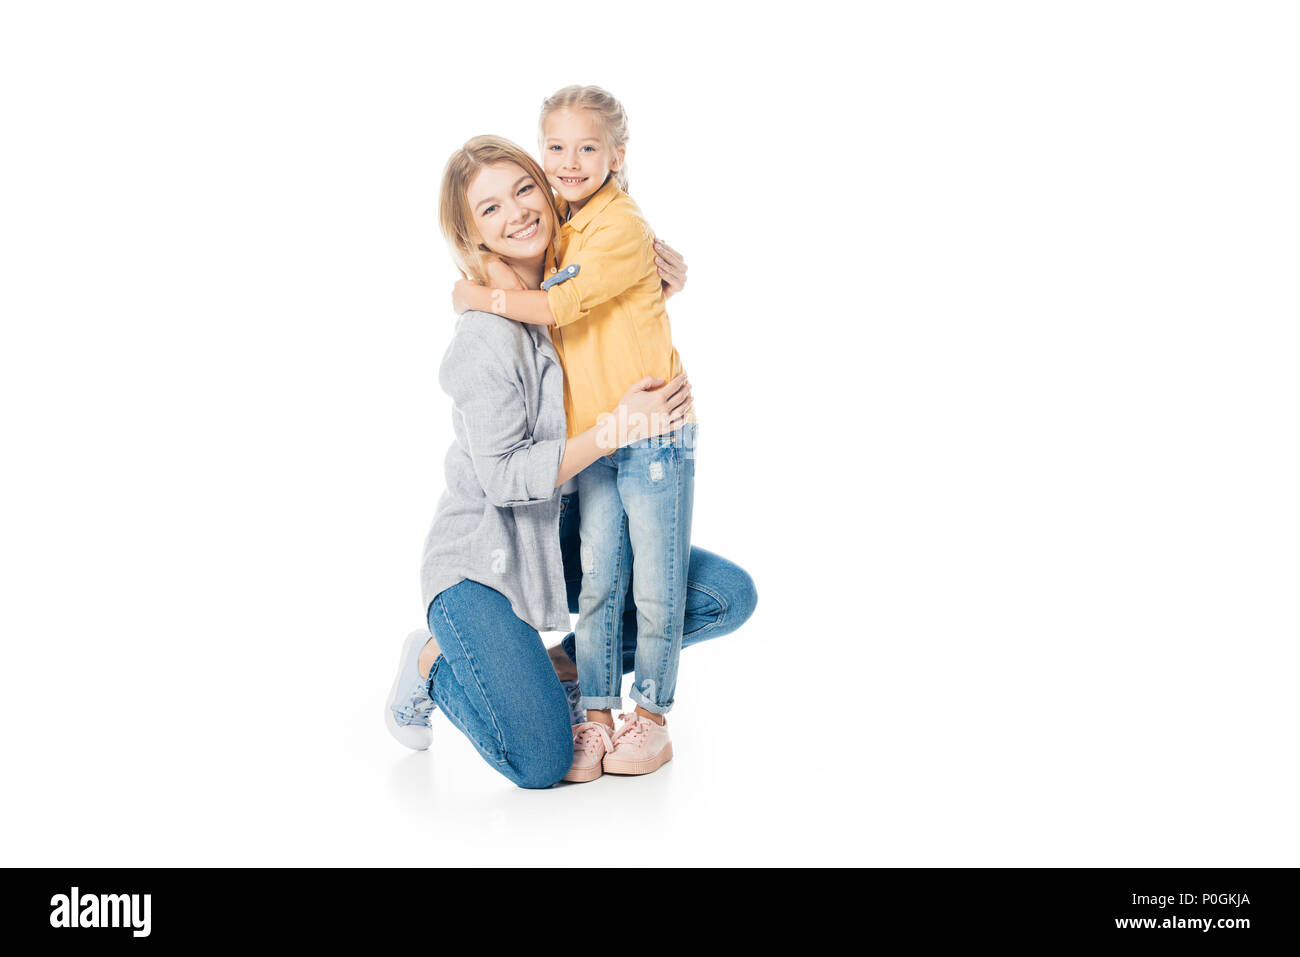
494, 571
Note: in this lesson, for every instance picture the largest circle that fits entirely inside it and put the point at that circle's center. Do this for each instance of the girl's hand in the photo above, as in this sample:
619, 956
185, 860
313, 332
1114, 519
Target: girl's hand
467, 294
672, 268
648, 408
460, 294
501, 276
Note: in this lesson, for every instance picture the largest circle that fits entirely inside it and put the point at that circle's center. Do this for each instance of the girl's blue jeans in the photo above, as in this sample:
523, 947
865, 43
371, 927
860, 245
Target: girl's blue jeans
495, 682
635, 530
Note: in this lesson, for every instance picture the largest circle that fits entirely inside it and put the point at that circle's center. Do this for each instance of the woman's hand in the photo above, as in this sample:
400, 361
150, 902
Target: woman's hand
672, 268
648, 408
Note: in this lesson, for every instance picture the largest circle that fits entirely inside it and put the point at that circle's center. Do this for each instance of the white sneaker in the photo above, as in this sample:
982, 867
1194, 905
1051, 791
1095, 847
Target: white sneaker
409, 705
573, 694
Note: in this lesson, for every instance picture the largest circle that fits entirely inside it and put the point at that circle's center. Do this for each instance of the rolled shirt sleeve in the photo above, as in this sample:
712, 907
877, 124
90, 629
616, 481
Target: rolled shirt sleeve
612, 259
512, 468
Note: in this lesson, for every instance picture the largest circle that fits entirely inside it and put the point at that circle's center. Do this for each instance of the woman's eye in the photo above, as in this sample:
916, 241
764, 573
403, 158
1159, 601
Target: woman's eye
489, 211
525, 189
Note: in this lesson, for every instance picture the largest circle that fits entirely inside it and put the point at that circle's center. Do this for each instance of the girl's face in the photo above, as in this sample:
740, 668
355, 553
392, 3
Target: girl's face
575, 155
511, 212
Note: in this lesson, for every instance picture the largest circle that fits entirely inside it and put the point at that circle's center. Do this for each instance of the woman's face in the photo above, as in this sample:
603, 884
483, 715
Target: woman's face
511, 212
574, 154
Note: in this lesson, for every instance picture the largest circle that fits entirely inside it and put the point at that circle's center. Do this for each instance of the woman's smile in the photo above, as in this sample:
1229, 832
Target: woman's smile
528, 232
511, 212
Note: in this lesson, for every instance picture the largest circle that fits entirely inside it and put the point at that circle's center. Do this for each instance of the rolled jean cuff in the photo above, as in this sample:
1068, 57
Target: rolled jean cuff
600, 704
635, 694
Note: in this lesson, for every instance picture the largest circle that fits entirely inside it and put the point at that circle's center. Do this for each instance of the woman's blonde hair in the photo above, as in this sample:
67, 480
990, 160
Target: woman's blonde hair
454, 216
609, 112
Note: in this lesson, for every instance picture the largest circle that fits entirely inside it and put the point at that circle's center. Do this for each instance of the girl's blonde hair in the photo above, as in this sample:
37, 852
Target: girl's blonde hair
609, 112
454, 217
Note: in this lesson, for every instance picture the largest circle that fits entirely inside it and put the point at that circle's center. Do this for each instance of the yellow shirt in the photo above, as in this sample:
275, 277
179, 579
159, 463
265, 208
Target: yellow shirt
611, 326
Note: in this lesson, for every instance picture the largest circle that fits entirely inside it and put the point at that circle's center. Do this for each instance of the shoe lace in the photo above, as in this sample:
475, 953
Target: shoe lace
575, 693
417, 705
634, 729
591, 733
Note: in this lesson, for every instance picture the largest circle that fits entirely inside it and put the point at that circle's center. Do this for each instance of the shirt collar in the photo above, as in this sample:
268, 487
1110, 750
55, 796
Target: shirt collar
592, 207
542, 339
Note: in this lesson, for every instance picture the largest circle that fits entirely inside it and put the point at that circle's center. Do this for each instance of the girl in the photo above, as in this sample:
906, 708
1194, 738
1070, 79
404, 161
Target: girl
603, 300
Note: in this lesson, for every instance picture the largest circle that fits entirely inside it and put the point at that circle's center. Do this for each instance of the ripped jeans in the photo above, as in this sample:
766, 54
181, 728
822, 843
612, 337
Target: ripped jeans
635, 527
495, 683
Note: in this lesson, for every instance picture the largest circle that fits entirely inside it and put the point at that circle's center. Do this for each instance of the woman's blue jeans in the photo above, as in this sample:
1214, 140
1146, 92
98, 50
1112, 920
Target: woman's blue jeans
495, 682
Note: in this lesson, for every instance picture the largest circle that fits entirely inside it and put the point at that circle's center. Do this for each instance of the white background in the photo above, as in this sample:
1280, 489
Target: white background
992, 326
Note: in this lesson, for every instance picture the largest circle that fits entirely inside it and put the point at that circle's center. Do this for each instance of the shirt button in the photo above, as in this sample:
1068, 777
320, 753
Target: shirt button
552, 269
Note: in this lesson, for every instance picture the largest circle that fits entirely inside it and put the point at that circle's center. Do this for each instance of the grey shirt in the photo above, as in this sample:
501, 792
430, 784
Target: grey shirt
498, 521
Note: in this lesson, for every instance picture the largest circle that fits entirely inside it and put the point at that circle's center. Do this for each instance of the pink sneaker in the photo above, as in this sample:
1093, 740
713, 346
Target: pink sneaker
591, 742
640, 746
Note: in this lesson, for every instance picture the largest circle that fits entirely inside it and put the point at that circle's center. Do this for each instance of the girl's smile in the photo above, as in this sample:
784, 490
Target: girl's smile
575, 154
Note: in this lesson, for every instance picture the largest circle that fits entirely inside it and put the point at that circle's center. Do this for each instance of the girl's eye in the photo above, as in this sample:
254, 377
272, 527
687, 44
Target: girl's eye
525, 189
553, 146
489, 211
592, 148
